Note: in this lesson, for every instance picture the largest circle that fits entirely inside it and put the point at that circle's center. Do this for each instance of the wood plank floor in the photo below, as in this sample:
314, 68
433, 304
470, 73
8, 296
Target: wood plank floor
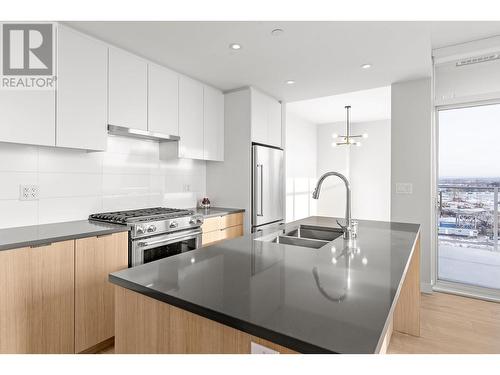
452, 324
449, 324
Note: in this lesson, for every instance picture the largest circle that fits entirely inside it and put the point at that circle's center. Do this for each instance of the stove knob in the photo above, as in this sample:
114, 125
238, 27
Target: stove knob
173, 224
151, 229
140, 230
192, 220
199, 221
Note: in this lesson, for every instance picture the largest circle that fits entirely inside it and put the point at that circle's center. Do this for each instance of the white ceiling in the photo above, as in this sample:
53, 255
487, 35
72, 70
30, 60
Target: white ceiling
323, 58
366, 105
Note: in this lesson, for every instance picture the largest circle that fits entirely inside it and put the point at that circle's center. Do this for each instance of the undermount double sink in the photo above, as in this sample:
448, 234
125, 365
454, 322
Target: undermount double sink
310, 236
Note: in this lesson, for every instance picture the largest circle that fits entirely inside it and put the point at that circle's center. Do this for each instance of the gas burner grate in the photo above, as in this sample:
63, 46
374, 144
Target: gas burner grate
144, 214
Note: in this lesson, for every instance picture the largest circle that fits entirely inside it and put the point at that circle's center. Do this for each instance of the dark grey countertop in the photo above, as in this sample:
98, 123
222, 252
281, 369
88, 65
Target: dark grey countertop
216, 211
35, 235
336, 299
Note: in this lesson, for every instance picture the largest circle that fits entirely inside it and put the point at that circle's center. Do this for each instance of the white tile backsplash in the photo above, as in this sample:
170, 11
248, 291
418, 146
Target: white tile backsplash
52, 210
19, 158
51, 159
15, 213
59, 185
76, 183
10, 181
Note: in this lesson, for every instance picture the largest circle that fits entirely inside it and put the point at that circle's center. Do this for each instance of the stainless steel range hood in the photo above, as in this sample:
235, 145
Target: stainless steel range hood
141, 134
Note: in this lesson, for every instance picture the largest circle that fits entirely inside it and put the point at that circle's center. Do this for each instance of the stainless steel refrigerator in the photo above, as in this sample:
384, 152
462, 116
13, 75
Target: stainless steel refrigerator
267, 186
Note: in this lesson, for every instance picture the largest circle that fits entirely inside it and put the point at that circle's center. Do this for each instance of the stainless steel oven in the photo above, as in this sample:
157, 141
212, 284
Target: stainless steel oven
156, 232
148, 249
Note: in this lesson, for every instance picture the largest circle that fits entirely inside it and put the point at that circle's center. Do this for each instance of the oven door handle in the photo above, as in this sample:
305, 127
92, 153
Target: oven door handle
166, 241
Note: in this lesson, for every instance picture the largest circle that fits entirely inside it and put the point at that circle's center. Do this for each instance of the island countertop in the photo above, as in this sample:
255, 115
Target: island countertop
336, 299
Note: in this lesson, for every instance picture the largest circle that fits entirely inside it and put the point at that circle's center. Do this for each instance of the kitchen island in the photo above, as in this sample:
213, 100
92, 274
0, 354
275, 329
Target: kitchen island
343, 297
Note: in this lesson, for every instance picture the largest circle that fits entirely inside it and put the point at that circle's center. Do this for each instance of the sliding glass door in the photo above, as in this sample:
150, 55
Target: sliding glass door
468, 253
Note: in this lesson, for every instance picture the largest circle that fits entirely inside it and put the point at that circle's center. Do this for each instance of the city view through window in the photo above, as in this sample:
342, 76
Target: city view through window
469, 181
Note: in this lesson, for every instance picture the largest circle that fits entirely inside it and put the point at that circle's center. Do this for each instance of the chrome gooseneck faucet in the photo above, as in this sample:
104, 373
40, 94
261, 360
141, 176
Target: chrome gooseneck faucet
348, 228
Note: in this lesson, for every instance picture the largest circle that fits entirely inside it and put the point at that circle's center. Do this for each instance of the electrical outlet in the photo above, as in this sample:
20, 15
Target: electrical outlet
261, 349
187, 187
404, 188
28, 192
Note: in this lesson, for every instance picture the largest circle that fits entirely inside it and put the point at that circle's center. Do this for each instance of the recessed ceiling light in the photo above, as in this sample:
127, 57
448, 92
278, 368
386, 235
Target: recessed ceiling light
366, 66
277, 32
290, 82
235, 46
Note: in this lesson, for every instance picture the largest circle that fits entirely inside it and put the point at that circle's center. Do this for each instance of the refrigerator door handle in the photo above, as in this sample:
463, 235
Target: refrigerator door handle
262, 190
260, 212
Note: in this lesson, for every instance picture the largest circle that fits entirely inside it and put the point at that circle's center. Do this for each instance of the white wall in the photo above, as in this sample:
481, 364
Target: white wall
229, 183
368, 169
332, 198
411, 161
75, 183
301, 167
460, 84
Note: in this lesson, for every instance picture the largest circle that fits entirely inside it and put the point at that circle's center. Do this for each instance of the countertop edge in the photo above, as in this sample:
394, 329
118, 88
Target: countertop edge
241, 325
223, 211
50, 240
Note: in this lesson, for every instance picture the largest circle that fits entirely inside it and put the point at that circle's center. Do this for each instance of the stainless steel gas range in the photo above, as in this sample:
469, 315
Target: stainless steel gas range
157, 232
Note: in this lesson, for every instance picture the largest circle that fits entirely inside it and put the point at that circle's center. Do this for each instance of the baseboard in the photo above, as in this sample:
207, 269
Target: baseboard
426, 288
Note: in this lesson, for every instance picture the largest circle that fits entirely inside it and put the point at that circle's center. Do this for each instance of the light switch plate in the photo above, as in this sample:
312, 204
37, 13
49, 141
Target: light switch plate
404, 188
261, 349
28, 192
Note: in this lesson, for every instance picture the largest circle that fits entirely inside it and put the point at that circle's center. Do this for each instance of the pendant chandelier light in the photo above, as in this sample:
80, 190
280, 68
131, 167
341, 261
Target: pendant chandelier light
348, 139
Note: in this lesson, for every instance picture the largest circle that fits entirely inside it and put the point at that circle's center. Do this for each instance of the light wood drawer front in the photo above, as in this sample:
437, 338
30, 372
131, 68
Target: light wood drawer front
232, 232
211, 237
231, 220
95, 258
212, 223
37, 299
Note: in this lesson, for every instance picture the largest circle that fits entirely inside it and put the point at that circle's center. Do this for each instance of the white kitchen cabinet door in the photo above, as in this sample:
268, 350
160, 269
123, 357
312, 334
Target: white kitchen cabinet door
128, 90
259, 109
274, 123
163, 100
190, 118
213, 124
28, 116
82, 91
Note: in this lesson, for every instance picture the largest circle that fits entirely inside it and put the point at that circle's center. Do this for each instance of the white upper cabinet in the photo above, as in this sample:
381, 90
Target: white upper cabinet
266, 119
259, 103
128, 90
213, 124
28, 116
81, 91
163, 100
190, 118
274, 122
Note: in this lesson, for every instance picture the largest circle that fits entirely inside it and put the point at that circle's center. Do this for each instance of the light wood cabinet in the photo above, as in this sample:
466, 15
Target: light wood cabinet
231, 232
128, 93
190, 118
82, 91
265, 119
37, 299
146, 325
220, 228
95, 259
213, 124
163, 100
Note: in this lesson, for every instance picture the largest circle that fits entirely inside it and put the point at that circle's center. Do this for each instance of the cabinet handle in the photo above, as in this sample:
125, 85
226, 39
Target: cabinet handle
41, 245
104, 235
